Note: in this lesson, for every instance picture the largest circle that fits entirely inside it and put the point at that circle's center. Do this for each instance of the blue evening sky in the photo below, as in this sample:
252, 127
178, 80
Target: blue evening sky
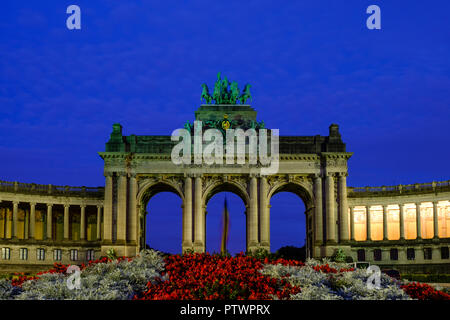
141, 63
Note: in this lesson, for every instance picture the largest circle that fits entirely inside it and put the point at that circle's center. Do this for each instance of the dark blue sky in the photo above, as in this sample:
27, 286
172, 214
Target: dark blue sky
141, 63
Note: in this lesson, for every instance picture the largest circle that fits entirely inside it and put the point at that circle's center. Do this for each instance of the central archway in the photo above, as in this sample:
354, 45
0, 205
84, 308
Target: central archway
214, 223
240, 193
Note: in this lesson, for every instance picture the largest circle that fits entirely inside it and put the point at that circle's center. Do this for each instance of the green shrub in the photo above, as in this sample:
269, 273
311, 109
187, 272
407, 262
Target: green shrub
260, 253
339, 256
432, 278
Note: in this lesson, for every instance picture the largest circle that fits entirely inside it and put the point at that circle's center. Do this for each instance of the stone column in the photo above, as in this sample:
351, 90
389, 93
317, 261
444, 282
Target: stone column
252, 221
83, 223
107, 208
99, 222
15, 219
66, 221
435, 220
418, 221
49, 221
343, 216
122, 207
187, 214
330, 201
385, 223
402, 221
133, 213
199, 217
318, 212
32, 220
26, 224
264, 216
368, 226
352, 223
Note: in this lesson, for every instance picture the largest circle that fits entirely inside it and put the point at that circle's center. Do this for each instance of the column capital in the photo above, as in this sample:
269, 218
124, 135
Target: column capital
83, 205
33, 204
330, 174
252, 175
317, 176
132, 175
121, 174
49, 205
343, 174
15, 202
99, 206
108, 174
66, 205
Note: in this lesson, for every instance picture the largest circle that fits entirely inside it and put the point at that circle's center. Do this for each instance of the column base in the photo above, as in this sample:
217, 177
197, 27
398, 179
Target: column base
264, 245
253, 246
199, 247
187, 247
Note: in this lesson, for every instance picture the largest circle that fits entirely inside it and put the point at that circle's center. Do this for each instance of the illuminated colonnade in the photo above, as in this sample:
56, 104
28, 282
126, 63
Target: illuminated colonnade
48, 221
43, 224
404, 221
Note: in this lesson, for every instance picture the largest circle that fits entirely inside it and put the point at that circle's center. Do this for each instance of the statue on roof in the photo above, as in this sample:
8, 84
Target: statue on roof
225, 92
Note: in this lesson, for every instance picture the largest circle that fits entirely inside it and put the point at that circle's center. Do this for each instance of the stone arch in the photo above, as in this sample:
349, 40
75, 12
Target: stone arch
226, 186
235, 186
304, 190
148, 189
301, 189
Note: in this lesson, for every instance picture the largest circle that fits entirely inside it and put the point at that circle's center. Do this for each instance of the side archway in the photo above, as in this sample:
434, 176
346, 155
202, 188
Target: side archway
147, 190
303, 189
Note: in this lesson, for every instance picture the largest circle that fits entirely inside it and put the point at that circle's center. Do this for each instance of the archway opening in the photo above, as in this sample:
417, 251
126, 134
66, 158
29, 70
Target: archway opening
237, 239
289, 221
163, 220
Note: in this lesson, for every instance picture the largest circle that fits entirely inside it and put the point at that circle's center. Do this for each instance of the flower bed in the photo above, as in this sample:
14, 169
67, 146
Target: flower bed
423, 291
203, 276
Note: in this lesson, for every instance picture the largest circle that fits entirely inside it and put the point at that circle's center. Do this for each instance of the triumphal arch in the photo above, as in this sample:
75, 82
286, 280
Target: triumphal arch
226, 148
313, 167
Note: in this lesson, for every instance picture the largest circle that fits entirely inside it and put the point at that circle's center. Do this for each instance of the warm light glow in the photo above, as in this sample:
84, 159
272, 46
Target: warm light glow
393, 220
376, 222
426, 220
359, 217
444, 219
410, 221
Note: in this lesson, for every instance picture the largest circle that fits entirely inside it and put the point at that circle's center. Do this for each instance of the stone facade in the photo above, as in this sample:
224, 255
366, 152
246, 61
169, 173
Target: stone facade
74, 225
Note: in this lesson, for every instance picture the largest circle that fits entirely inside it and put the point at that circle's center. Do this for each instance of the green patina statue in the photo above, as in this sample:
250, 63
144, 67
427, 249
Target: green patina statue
225, 92
205, 94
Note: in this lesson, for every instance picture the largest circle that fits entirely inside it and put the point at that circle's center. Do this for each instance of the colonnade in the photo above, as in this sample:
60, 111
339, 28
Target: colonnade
336, 218
11, 229
434, 214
